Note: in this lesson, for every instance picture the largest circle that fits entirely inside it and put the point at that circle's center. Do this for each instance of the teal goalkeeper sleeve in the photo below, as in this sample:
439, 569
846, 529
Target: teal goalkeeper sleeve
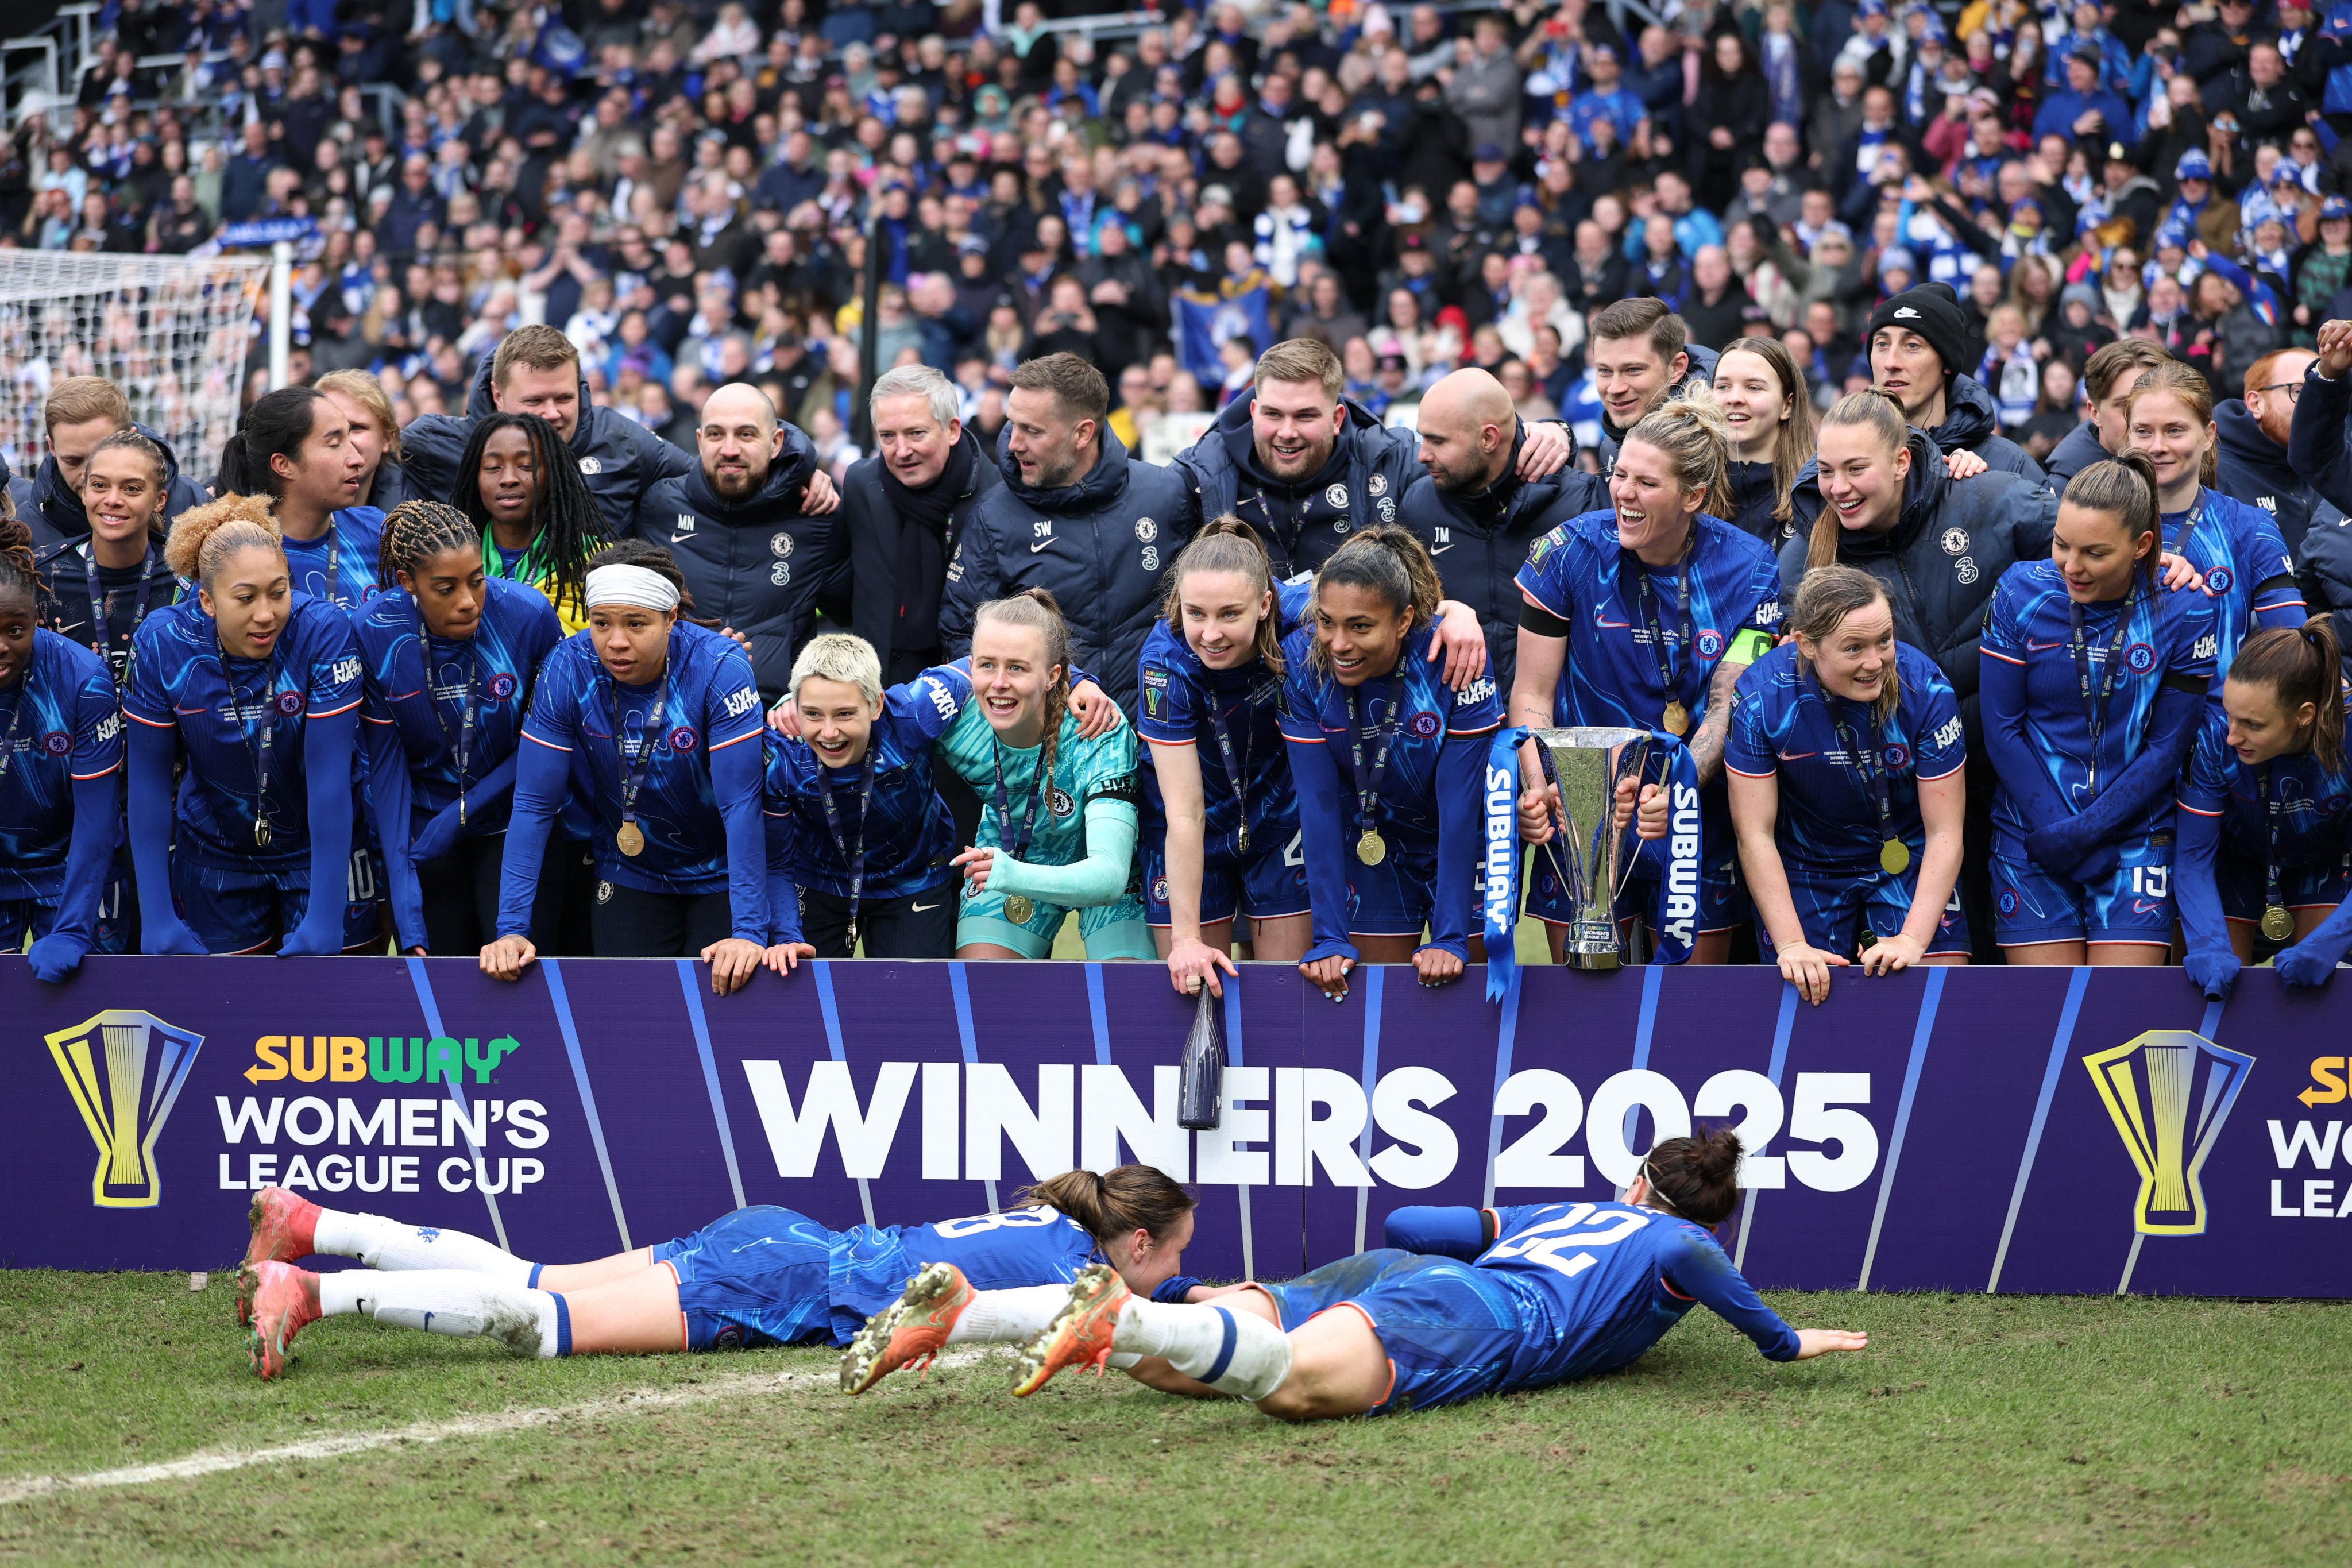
1100, 879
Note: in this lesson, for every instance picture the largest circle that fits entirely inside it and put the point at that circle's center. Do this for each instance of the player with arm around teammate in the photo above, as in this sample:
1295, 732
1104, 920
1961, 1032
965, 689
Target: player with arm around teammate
450, 656
653, 723
2094, 681
1845, 767
244, 797
1501, 1302
761, 1276
2266, 815
1386, 761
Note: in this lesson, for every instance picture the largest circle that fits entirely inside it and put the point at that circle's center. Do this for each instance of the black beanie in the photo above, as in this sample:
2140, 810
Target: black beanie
1933, 312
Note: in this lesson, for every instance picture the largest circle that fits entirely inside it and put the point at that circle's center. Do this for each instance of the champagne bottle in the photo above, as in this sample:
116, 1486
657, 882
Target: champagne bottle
1200, 1094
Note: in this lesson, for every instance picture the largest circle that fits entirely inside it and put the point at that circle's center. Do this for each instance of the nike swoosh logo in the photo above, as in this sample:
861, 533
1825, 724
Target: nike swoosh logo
1440, 549
2141, 906
2033, 646
678, 538
1797, 756
919, 909
1042, 544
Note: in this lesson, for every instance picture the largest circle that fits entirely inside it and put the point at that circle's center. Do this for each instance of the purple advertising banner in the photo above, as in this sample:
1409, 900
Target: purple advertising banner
2018, 1130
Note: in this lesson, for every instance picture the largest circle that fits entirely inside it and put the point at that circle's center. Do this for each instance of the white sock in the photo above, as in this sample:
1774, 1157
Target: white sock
1232, 1352
382, 1242
454, 1301
1001, 1316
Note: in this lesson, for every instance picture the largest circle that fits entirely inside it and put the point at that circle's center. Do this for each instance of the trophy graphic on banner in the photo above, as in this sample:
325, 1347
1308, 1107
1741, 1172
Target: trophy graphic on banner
1590, 854
125, 1069
2168, 1091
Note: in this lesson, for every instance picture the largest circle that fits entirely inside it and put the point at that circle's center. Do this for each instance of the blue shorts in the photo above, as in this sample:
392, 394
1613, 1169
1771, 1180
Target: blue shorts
2132, 903
1836, 907
2319, 886
1270, 884
249, 911
110, 928
1393, 898
760, 1276
1722, 897
1449, 1329
1344, 1280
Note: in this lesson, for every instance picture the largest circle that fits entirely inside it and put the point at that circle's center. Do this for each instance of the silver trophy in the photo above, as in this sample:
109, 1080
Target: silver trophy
1587, 851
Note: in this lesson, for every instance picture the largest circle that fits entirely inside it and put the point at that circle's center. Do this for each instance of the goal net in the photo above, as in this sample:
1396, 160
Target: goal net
174, 332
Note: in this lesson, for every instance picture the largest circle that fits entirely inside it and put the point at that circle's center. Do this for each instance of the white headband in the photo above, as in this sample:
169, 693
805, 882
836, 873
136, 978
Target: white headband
631, 586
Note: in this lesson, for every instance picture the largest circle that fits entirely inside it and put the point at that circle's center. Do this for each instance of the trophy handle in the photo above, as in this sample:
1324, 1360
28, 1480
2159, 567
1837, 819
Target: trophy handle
1631, 847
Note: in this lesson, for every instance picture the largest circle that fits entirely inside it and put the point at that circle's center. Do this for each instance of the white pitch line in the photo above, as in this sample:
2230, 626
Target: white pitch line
214, 1461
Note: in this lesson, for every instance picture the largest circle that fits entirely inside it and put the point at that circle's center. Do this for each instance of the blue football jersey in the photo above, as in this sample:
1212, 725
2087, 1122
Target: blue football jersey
1035, 1246
422, 684
2152, 636
2315, 803
226, 709
2237, 549
1620, 638
339, 564
58, 724
1314, 713
1180, 693
1783, 723
1597, 1284
709, 701
908, 834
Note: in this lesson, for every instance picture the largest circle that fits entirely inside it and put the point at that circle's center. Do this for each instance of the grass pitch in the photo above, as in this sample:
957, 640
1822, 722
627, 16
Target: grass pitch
1975, 1430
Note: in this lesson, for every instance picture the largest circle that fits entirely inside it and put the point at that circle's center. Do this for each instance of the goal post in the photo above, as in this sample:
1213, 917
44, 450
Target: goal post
174, 332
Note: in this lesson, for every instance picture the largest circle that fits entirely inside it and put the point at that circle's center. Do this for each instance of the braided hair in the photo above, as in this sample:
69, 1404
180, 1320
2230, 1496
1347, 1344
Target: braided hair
17, 574
415, 532
566, 527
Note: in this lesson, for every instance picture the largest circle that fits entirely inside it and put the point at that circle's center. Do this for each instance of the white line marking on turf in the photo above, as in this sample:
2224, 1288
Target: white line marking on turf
497, 1425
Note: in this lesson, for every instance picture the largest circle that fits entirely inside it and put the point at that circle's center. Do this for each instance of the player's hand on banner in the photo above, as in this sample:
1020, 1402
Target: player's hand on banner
734, 961
54, 957
315, 938
1192, 962
818, 497
508, 957
1547, 449
1808, 969
784, 718
1892, 954
172, 939
976, 862
2212, 970
1436, 966
1460, 642
1329, 974
2301, 966
1811, 1342
1098, 714
1964, 464
1535, 809
785, 955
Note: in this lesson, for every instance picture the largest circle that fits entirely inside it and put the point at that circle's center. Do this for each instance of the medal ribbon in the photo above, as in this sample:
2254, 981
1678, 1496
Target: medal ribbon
268, 736
2095, 709
1668, 663
1236, 771
1870, 767
461, 750
101, 633
1037, 783
2271, 899
633, 769
1368, 787
23, 700
854, 858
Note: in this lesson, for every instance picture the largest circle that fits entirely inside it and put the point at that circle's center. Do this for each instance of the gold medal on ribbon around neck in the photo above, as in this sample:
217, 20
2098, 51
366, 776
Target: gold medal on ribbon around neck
1019, 910
630, 840
1371, 849
1676, 719
1895, 856
2277, 924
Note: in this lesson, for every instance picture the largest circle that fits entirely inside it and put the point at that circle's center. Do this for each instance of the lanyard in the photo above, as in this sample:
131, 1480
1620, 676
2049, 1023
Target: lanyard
1236, 770
2271, 804
854, 858
2095, 709
2179, 545
1669, 674
461, 748
101, 606
258, 749
23, 700
633, 766
335, 558
1870, 767
1037, 787
1368, 787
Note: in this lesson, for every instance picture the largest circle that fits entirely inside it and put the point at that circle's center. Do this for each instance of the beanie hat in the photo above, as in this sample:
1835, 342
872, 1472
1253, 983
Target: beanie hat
1933, 312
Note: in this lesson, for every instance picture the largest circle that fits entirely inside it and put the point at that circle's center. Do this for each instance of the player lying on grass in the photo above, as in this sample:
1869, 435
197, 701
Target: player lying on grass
1498, 1301
762, 1276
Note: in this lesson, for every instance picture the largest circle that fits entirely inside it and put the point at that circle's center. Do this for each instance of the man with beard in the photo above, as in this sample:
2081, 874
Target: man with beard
2250, 443
1306, 467
1641, 354
1076, 516
1918, 341
753, 558
81, 412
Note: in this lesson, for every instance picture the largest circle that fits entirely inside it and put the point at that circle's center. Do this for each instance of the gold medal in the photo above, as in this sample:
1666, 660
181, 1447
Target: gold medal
2277, 924
1676, 719
1371, 849
1019, 910
630, 840
1894, 856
